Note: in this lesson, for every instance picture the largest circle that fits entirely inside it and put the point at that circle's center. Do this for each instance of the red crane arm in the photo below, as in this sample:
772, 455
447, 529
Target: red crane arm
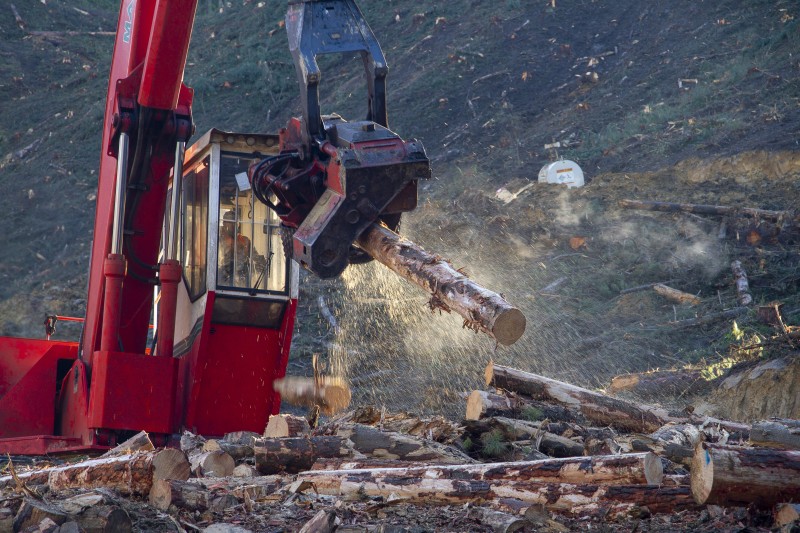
147, 102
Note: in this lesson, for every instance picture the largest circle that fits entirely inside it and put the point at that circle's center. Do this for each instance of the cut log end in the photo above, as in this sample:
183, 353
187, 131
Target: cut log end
509, 326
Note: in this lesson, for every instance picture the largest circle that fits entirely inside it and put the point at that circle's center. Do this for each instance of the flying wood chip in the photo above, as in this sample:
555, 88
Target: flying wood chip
576, 243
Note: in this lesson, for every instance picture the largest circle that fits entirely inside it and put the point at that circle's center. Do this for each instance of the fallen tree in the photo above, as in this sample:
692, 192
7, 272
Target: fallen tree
598, 408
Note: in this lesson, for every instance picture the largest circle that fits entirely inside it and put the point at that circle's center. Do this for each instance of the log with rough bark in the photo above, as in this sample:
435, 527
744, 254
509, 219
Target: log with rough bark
287, 426
501, 522
216, 463
629, 469
675, 295
373, 442
362, 464
700, 209
127, 474
660, 383
742, 286
291, 455
598, 408
435, 428
482, 309
189, 496
483, 404
237, 451
776, 433
104, 518
734, 475
516, 430
32, 512
330, 394
568, 498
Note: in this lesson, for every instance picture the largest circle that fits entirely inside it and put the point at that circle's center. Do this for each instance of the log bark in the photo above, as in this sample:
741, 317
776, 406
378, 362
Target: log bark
598, 408
482, 404
133, 474
630, 469
105, 519
501, 522
373, 442
235, 450
675, 295
732, 475
516, 430
482, 309
330, 394
657, 384
700, 209
742, 286
189, 496
287, 426
776, 433
215, 463
362, 464
292, 455
560, 497
435, 428
32, 511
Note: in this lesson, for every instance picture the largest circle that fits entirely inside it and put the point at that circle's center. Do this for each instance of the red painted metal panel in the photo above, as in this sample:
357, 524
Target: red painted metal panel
45, 445
166, 55
230, 381
132, 392
28, 372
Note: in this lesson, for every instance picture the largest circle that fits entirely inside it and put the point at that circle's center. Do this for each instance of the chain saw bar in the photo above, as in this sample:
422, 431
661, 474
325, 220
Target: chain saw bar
317, 27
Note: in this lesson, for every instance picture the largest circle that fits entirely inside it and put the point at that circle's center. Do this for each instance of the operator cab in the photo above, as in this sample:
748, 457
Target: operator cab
239, 291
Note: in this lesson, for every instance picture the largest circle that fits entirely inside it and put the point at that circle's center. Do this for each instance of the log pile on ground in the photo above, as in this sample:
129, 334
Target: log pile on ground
532, 452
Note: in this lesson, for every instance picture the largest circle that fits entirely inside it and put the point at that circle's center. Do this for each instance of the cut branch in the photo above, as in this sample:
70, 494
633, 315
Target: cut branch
482, 309
742, 286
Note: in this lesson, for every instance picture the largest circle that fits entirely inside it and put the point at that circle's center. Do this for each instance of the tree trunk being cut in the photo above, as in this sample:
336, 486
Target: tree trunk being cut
732, 475
598, 408
482, 309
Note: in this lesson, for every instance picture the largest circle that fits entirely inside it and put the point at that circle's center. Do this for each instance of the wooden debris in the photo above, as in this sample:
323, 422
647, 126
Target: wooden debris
104, 519
599, 408
776, 433
735, 475
138, 443
451, 290
742, 287
330, 394
675, 295
287, 426
17, 18
323, 522
670, 207
34, 511
787, 514
501, 522
432, 428
517, 430
214, 463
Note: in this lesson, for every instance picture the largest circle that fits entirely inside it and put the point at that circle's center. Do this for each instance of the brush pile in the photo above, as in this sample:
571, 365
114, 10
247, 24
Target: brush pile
532, 454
